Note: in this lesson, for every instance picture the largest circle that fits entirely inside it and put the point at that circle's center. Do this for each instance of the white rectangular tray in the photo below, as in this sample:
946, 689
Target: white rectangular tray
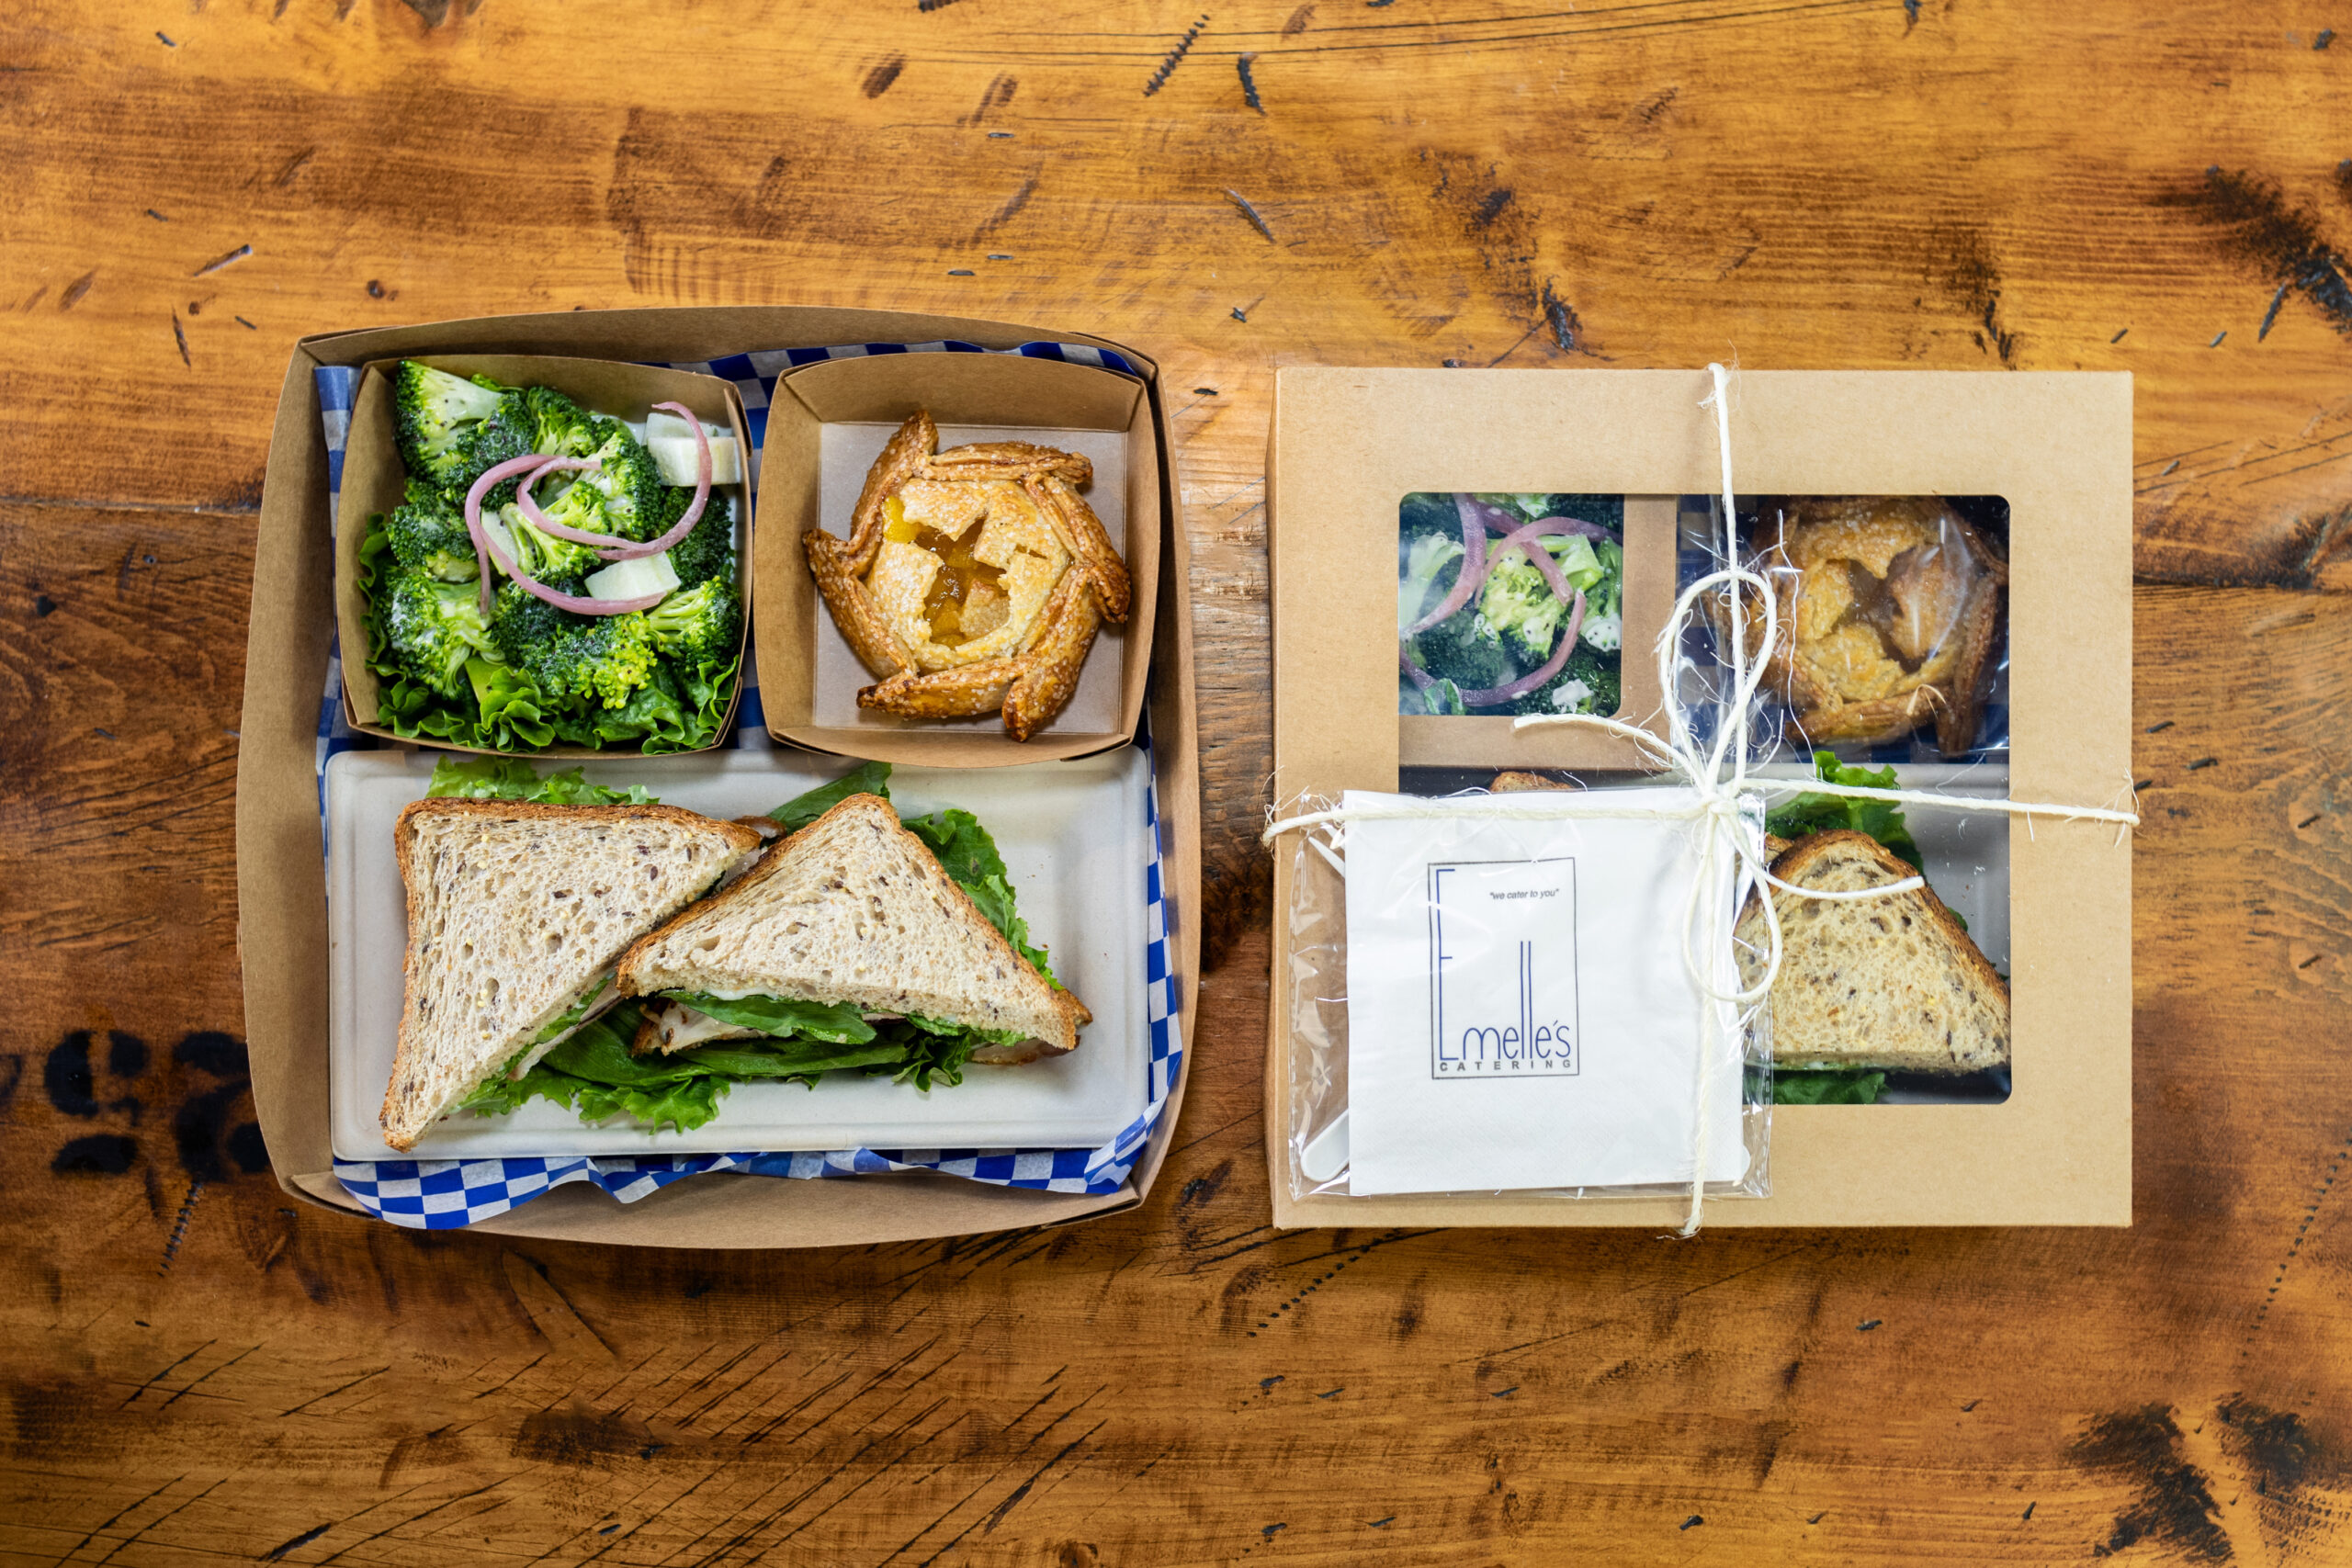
1074, 839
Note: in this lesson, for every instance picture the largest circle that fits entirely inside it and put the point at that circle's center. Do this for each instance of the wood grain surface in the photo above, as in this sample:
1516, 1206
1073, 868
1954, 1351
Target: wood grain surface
194, 1369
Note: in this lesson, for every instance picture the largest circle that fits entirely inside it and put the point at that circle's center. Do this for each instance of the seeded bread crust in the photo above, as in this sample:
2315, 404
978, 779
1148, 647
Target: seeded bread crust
512, 909
853, 908
1888, 983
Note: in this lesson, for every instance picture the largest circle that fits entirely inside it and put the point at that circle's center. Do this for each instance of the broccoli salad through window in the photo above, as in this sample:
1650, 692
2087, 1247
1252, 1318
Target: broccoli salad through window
553, 574
1508, 603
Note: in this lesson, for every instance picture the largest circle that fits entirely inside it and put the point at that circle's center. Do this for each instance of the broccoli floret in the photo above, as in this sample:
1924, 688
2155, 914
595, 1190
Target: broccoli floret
435, 416
709, 549
432, 627
508, 433
1529, 506
623, 494
575, 658
1426, 559
605, 661
1517, 601
561, 427
1427, 512
1588, 682
1428, 544
521, 621
1464, 650
543, 556
429, 535
1604, 627
698, 623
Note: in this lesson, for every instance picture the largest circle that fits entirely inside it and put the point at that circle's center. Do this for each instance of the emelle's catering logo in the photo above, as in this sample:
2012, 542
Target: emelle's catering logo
1503, 969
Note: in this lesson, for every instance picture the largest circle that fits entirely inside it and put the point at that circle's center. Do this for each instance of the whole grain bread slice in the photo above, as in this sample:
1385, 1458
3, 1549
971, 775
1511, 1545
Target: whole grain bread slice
1890, 983
853, 908
513, 911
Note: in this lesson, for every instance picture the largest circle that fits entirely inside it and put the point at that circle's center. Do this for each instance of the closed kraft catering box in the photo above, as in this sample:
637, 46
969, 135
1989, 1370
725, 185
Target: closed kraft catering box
2047, 454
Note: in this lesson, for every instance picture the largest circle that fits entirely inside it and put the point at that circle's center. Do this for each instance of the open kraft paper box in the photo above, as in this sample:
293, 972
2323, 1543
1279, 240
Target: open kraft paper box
282, 933
374, 480
826, 425
1347, 444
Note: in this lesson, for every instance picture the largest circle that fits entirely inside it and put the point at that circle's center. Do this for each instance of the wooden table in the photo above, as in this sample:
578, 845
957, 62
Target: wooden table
196, 1368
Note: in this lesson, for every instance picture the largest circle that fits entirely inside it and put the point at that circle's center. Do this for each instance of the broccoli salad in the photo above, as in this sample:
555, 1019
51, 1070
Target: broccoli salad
1508, 603
552, 575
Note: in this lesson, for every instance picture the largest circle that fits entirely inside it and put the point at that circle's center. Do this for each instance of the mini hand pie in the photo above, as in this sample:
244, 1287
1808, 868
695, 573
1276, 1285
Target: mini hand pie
1888, 609
972, 579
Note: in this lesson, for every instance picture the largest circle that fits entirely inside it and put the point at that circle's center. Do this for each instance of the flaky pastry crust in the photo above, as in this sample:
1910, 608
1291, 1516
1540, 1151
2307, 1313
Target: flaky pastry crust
1066, 592
1888, 607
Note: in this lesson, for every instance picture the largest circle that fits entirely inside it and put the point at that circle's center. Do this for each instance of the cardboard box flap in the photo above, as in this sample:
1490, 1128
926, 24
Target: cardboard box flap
680, 336
965, 388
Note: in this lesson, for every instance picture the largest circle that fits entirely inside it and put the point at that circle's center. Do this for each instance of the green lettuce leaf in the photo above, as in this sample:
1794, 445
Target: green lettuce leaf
773, 1016
938, 1050
510, 778
685, 1104
502, 1094
653, 713
682, 709
414, 711
515, 716
960, 845
571, 1015
1882, 820
709, 690
802, 1059
594, 1073
1823, 1087
599, 1054
994, 898
866, 778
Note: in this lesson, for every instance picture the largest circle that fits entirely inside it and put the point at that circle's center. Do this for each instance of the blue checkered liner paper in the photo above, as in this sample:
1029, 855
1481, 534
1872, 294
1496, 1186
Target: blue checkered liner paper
449, 1194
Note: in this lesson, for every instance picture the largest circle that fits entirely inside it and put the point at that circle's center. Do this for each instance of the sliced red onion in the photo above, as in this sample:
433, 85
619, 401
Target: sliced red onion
605, 545
1527, 683
1473, 569
1522, 540
1574, 525
483, 544
686, 523
1496, 520
1502, 520
483, 549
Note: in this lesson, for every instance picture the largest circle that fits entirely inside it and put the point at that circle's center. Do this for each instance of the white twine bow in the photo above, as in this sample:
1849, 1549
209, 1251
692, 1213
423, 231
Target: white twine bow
1724, 801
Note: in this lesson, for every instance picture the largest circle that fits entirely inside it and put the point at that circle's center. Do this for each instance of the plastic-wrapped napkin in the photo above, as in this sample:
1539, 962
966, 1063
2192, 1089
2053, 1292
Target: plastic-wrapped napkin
1519, 1012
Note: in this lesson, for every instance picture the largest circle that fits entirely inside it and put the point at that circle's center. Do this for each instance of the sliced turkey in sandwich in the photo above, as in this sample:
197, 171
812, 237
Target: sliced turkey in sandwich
847, 933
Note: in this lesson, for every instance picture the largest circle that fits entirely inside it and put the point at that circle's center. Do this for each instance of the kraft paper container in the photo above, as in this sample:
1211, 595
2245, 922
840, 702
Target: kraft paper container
375, 480
281, 887
1348, 443
825, 425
